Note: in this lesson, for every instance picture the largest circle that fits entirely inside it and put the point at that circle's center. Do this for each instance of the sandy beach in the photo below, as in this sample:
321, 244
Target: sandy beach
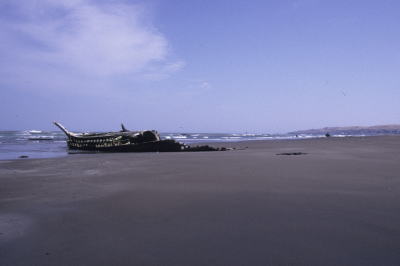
338, 204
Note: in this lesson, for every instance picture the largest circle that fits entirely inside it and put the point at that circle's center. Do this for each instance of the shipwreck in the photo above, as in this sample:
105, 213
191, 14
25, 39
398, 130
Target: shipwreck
127, 141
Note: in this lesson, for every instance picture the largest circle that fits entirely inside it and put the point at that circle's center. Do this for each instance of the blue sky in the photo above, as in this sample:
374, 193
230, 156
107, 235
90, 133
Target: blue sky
199, 66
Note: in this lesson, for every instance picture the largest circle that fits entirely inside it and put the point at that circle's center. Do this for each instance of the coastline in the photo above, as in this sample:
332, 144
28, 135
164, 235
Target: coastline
336, 204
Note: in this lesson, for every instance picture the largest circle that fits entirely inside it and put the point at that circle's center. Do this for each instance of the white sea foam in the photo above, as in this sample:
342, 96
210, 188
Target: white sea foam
43, 136
33, 131
180, 137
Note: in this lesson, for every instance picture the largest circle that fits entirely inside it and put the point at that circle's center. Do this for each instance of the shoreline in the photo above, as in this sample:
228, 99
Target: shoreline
335, 205
240, 144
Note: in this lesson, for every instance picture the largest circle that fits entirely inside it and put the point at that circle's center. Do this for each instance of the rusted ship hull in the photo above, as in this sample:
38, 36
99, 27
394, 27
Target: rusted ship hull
155, 146
126, 141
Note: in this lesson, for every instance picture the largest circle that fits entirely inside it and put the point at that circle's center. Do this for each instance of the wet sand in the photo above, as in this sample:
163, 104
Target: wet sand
339, 204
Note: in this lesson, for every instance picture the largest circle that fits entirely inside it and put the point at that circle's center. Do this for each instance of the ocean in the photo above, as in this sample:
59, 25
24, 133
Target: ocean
48, 144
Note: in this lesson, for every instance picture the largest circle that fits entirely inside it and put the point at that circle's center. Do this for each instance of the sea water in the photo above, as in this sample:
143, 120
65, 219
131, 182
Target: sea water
49, 144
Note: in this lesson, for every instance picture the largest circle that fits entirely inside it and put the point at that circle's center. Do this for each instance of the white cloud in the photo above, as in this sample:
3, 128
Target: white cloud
81, 38
204, 85
157, 72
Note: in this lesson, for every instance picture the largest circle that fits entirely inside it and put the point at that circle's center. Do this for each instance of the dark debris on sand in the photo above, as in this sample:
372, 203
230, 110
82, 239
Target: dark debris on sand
292, 153
205, 148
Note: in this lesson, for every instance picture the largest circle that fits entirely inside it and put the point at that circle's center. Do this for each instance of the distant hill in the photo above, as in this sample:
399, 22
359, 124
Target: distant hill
355, 130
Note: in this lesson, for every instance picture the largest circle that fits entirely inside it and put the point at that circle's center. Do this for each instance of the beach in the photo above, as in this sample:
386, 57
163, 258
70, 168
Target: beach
337, 203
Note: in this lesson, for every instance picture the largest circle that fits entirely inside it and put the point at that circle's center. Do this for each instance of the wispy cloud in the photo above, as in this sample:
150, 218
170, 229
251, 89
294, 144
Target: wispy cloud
81, 40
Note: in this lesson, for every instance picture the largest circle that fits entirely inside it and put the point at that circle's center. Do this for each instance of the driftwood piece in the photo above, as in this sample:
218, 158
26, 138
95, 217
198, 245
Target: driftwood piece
292, 153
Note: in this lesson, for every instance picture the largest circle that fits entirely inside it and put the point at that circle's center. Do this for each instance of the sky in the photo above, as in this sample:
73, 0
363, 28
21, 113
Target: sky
199, 65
